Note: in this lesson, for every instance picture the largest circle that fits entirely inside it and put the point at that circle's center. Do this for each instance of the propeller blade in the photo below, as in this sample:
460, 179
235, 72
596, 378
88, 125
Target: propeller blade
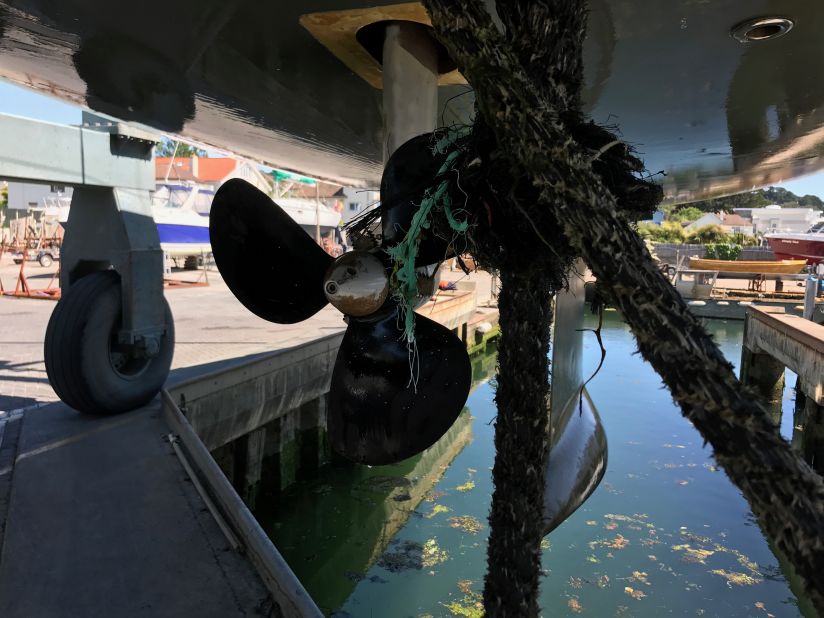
376, 416
411, 170
271, 265
577, 461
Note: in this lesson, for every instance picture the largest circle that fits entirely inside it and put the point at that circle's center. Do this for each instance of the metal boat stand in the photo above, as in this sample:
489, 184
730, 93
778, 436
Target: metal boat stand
111, 272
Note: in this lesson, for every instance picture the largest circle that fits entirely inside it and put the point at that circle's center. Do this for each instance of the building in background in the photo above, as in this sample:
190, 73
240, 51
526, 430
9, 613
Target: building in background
357, 201
731, 223
657, 218
28, 196
774, 218
209, 172
710, 218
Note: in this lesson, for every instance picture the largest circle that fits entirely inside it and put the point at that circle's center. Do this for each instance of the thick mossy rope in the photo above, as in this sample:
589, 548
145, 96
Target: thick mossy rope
525, 112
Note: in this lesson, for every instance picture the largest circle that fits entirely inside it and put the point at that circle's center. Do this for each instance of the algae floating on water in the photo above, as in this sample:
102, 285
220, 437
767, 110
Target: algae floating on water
438, 508
738, 579
471, 606
574, 605
467, 523
433, 554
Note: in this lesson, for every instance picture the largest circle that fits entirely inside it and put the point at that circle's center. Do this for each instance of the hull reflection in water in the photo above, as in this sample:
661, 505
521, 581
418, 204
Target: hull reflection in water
578, 444
577, 461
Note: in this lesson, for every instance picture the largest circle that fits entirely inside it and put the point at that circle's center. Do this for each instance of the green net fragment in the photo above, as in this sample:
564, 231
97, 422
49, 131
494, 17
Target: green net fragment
404, 275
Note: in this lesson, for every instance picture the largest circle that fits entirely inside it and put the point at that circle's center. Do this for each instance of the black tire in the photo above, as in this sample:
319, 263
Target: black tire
45, 260
86, 366
192, 262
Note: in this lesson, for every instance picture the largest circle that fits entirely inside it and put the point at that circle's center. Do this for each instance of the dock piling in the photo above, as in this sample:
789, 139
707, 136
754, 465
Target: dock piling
763, 373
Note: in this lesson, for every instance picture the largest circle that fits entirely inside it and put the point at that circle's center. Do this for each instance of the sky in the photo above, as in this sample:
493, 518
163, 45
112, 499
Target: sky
806, 185
23, 102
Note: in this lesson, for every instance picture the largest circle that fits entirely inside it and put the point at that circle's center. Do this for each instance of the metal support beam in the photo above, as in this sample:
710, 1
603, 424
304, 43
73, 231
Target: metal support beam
106, 155
410, 84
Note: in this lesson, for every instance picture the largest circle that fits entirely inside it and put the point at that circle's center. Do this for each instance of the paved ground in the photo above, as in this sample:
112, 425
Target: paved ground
99, 518
211, 326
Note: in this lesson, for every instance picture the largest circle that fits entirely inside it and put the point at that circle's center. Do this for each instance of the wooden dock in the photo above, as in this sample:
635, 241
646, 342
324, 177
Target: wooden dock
774, 341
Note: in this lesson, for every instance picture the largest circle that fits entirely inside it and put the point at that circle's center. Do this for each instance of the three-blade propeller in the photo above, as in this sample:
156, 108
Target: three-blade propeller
384, 405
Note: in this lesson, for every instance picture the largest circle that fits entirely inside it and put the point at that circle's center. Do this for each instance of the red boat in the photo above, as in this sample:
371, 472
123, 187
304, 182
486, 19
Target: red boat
807, 246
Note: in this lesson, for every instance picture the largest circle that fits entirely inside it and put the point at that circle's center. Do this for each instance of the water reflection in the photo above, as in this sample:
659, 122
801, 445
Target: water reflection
334, 527
350, 514
666, 533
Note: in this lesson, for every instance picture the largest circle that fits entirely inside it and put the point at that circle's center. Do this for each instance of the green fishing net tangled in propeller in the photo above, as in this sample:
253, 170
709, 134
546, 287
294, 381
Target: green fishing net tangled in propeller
404, 254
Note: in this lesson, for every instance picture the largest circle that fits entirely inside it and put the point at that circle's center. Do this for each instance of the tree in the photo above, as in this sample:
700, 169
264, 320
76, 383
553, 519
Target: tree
708, 234
722, 251
669, 232
811, 201
750, 199
779, 195
181, 150
689, 213
757, 199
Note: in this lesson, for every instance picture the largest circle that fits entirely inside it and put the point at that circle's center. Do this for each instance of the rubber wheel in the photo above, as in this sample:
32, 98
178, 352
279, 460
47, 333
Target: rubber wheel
192, 262
45, 260
88, 369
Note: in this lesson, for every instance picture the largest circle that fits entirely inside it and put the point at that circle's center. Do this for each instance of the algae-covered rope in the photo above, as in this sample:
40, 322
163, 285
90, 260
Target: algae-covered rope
786, 495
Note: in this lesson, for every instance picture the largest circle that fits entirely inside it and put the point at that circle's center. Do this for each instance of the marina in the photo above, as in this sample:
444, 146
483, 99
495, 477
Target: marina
411, 310
347, 567
363, 551
46, 437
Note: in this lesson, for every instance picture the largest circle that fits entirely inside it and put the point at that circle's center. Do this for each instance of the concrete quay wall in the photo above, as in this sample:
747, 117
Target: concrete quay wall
228, 404
265, 419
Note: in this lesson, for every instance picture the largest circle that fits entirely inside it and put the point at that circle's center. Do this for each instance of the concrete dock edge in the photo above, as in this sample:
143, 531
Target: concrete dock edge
279, 579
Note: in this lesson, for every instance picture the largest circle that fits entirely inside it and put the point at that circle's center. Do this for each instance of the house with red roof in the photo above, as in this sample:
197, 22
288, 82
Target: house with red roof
731, 223
208, 172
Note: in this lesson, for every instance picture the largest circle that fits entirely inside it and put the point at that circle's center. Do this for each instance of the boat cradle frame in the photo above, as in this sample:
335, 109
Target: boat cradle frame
110, 165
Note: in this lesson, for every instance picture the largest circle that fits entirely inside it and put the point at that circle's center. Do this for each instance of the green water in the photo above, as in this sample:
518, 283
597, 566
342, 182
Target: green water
666, 533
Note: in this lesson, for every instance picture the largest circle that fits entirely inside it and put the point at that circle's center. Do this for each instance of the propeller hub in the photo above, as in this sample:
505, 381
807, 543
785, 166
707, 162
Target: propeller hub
356, 284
